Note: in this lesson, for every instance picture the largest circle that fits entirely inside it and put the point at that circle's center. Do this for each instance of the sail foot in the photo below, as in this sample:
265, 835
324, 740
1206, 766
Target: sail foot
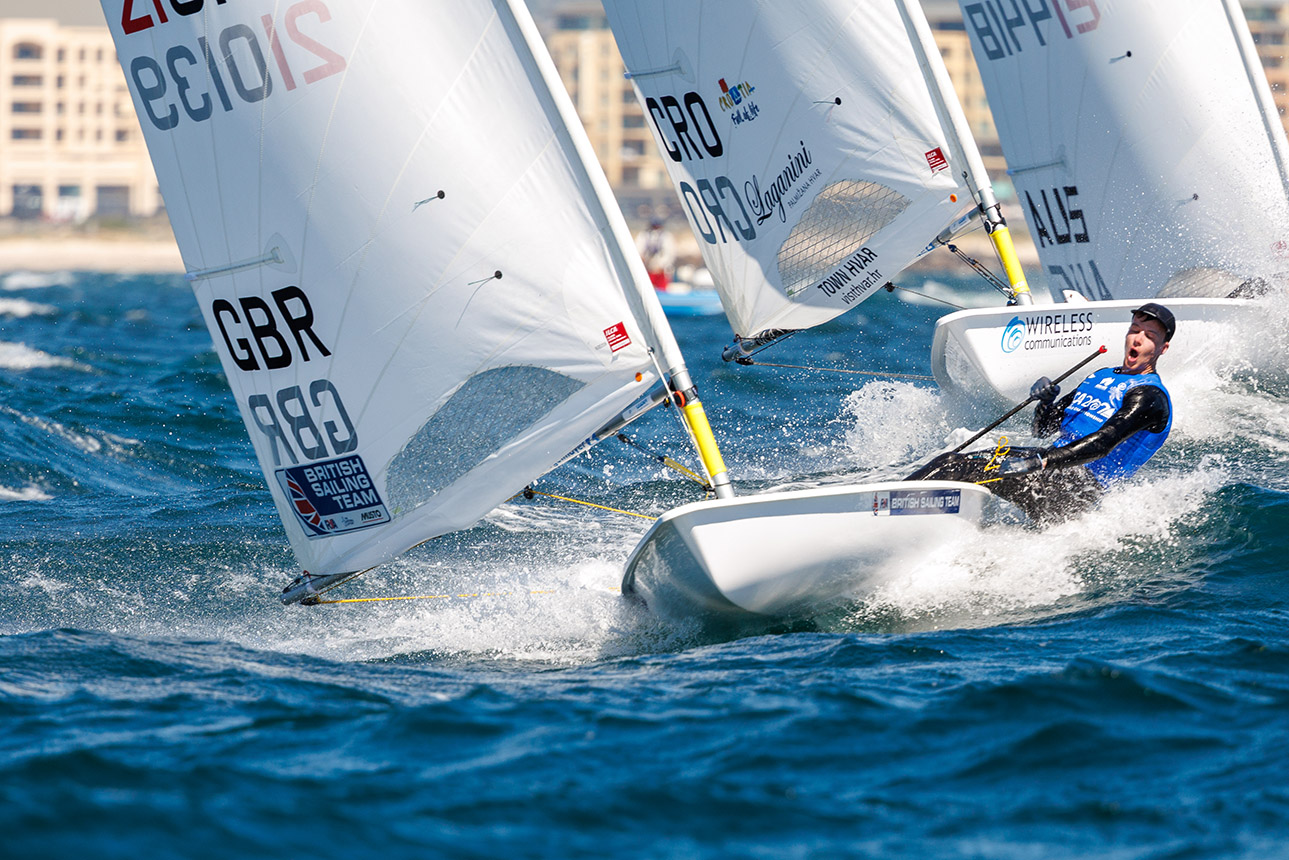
743, 348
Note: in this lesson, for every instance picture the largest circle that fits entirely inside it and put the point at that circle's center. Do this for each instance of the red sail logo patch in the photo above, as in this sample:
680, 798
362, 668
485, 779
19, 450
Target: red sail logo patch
617, 336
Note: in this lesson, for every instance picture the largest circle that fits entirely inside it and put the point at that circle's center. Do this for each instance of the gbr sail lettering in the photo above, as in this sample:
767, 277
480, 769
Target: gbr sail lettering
236, 65
299, 421
1005, 27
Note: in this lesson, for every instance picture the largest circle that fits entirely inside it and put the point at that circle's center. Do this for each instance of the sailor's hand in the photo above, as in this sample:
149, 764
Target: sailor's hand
1022, 461
1044, 390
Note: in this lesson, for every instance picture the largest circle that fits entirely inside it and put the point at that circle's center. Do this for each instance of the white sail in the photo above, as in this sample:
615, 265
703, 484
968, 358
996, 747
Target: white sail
419, 299
803, 144
1136, 138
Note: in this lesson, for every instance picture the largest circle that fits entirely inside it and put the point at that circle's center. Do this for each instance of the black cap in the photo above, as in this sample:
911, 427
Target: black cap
1156, 311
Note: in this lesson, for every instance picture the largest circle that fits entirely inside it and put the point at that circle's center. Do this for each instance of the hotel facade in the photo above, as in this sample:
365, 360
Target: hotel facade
71, 146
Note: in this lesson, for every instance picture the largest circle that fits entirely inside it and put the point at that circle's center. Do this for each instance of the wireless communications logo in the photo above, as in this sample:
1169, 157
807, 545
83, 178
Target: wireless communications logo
1013, 335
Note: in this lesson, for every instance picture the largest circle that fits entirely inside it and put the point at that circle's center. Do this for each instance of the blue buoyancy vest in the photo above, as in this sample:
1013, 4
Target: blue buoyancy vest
1095, 400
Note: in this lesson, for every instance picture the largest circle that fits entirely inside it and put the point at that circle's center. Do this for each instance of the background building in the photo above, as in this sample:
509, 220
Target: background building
70, 144
1269, 23
71, 147
578, 37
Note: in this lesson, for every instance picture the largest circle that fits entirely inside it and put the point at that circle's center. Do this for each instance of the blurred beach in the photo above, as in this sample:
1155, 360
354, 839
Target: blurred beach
146, 246
149, 248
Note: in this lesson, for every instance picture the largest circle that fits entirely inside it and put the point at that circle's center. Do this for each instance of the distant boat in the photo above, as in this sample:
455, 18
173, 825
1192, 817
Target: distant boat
691, 294
690, 303
1150, 162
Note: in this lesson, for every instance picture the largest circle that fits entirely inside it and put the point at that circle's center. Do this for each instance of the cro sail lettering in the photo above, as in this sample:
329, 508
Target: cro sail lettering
685, 127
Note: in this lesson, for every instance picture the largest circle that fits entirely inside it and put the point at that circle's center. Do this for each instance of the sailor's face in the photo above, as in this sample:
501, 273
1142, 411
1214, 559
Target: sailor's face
1143, 345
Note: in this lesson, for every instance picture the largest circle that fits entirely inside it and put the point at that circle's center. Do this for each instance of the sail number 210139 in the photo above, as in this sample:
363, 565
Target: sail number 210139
236, 65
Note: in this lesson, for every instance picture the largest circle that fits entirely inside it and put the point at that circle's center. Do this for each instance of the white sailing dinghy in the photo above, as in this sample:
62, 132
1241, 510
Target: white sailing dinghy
416, 279
1150, 161
818, 149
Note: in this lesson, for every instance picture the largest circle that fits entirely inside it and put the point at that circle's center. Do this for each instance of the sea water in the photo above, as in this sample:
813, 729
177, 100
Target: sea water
1114, 686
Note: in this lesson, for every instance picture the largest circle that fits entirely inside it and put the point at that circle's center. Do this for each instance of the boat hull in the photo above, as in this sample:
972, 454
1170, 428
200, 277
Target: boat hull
993, 355
797, 553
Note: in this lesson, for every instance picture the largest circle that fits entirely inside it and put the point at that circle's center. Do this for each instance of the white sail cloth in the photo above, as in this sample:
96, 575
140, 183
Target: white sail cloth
417, 300
803, 144
1136, 139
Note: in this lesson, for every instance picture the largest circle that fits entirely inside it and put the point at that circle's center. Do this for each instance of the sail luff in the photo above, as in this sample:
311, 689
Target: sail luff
1261, 89
617, 237
638, 290
961, 142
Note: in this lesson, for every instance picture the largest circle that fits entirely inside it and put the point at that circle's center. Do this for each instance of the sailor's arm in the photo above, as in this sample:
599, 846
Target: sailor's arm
1144, 408
1049, 411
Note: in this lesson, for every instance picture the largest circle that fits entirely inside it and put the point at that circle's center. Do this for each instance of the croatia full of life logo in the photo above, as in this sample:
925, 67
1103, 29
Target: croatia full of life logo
738, 99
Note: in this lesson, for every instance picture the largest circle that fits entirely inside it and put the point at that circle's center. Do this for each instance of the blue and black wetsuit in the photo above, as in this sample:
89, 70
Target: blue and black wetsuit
1109, 426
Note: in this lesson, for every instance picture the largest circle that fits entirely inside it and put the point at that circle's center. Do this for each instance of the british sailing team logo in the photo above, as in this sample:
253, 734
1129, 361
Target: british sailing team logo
1014, 334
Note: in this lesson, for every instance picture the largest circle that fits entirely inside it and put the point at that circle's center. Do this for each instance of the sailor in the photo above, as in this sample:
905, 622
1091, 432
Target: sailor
658, 250
1109, 427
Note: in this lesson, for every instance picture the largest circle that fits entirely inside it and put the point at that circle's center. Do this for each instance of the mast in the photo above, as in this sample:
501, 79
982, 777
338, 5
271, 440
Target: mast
1258, 84
627, 260
962, 144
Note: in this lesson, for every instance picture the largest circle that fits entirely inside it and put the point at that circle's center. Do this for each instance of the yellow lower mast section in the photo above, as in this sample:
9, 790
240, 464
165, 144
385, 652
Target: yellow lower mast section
1006, 249
696, 419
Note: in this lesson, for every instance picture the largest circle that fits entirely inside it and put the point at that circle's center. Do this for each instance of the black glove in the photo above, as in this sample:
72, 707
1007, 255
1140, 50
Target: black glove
1022, 461
1044, 390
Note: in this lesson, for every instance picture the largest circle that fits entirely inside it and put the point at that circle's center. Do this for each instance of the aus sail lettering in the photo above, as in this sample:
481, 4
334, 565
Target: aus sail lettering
1062, 225
1004, 28
189, 81
1084, 278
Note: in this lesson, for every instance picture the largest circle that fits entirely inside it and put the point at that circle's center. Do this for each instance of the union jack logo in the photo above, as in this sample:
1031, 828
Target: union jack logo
303, 506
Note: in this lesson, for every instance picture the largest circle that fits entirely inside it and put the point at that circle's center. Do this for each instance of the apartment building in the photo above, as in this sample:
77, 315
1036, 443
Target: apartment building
1269, 24
585, 53
70, 144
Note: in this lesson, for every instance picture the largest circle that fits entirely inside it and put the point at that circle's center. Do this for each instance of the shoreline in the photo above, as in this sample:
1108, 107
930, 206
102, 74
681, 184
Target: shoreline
128, 255
141, 256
